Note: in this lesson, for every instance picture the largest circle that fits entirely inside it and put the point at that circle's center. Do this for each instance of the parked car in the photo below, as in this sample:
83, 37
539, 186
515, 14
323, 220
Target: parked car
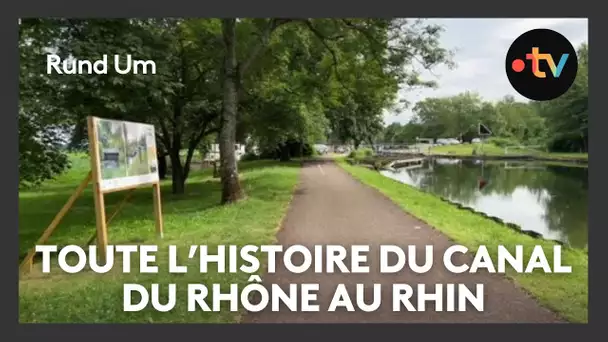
321, 149
442, 141
475, 141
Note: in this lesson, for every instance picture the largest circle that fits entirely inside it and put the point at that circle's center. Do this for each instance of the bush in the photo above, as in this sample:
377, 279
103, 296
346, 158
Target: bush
249, 156
269, 153
361, 153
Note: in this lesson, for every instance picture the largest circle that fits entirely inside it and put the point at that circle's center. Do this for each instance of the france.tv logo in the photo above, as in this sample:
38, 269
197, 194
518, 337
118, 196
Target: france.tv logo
535, 56
541, 64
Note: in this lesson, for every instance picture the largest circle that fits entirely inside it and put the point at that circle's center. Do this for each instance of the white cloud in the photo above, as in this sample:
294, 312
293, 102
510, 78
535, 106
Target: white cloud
481, 46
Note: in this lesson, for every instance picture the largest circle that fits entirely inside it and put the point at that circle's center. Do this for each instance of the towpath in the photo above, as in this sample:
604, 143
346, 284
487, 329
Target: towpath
331, 207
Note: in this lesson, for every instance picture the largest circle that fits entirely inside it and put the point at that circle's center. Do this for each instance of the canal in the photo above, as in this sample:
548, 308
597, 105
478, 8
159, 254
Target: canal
547, 199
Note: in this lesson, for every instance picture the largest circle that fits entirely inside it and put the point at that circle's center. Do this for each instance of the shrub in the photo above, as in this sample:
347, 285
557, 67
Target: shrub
361, 153
249, 156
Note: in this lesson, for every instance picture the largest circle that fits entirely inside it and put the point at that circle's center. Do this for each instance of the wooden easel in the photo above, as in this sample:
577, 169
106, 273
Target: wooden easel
101, 235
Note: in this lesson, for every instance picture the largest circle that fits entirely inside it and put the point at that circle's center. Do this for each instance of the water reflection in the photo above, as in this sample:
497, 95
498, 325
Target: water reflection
551, 200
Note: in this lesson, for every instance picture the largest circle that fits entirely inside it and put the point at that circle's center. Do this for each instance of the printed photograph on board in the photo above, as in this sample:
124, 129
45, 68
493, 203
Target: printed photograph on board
137, 149
127, 153
112, 150
151, 149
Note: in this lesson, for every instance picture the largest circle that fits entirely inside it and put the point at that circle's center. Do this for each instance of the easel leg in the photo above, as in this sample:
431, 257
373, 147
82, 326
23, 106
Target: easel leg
100, 217
158, 216
28, 261
100, 207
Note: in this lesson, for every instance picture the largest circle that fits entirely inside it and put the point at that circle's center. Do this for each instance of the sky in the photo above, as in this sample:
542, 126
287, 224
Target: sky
480, 47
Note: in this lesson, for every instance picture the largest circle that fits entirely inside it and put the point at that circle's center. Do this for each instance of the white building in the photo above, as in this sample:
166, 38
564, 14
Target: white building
214, 152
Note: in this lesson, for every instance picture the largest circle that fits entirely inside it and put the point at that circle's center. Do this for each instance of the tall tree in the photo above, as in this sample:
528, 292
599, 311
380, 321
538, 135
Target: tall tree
43, 123
183, 99
568, 115
393, 44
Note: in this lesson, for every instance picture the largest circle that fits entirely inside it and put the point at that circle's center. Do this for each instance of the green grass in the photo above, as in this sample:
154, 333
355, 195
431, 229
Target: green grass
467, 149
566, 294
493, 150
191, 219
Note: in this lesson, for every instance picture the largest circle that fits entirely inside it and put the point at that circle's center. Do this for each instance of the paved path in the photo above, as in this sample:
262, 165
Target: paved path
331, 207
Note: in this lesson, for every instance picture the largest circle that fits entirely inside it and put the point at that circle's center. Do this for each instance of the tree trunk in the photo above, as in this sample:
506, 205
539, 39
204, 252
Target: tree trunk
178, 183
231, 187
584, 143
285, 155
177, 174
216, 173
79, 134
162, 167
189, 156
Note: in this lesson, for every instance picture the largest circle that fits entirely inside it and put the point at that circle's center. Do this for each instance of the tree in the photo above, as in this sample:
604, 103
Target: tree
277, 79
42, 122
434, 115
391, 132
188, 112
460, 115
392, 43
283, 102
568, 115
182, 99
410, 132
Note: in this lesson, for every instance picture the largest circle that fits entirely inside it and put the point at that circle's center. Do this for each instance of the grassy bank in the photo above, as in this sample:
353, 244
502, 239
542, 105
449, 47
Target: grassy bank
493, 150
191, 219
566, 294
